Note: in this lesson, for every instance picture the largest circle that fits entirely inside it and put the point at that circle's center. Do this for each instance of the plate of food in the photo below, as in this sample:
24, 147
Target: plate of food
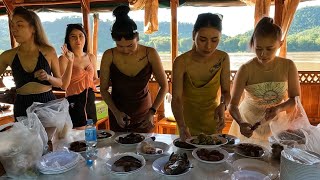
250, 150
203, 140
257, 166
232, 140
183, 145
125, 163
78, 146
103, 135
210, 155
131, 139
173, 165
152, 149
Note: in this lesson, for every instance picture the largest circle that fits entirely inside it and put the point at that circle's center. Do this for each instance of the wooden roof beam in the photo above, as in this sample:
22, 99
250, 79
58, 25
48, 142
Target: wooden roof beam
85, 9
9, 6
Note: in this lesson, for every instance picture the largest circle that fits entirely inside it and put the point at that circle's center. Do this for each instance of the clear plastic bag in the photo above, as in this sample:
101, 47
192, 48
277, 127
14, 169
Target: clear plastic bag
167, 107
21, 146
295, 130
53, 114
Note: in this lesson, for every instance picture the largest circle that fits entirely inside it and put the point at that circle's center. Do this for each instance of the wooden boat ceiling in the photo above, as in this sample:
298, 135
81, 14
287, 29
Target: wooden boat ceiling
104, 5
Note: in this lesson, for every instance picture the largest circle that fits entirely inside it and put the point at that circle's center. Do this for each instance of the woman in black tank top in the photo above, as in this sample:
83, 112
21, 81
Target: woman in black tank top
128, 67
34, 62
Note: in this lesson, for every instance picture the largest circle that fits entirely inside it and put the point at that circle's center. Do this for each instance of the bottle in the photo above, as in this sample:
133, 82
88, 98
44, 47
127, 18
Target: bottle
91, 142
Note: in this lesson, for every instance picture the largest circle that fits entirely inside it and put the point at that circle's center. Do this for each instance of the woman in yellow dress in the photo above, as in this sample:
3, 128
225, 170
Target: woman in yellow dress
267, 80
197, 77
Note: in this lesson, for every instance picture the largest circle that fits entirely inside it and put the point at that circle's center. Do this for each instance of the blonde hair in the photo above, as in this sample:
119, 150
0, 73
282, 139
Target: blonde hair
33, 19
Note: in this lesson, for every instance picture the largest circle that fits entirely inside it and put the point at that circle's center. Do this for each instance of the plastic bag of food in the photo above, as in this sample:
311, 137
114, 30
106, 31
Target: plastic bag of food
21, 146
53, 114
296, 131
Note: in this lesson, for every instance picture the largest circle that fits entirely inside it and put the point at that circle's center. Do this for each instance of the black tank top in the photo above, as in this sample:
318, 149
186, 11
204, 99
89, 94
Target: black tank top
21, 77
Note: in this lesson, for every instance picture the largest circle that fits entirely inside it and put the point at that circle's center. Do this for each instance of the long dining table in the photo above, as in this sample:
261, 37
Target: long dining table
109, 148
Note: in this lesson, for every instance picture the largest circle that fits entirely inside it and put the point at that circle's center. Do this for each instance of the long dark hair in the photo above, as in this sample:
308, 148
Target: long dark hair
79, 27
208, 20
33, 19
124, 26
266, 28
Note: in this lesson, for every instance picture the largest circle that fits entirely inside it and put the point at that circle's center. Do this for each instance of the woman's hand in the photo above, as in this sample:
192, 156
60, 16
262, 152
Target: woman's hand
246, 129
271, 112
120, 117
42, 75
148, 121
184, 133
66, 53
219, 116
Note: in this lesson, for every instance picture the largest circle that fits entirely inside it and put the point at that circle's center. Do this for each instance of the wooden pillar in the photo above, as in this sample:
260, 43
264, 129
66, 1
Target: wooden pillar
10, 9
278, 5
95, 34
174, 28
262, 8
85, 8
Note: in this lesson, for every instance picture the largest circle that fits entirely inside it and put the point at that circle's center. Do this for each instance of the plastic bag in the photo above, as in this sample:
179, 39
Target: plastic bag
53, 114
21, 146
295, 130
167, 107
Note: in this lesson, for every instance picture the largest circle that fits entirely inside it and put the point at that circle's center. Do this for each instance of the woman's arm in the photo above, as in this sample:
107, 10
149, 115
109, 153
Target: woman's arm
160, 77
105, 81
225, 82
66, 71
54, 79
96, 79
293, 91
5, 58
239, 84
177, 92
225, 93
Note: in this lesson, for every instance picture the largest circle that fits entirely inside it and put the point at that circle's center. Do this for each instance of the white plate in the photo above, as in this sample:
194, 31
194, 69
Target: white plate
158, 166
248, 175
58, 161
129, 145
158, 145
178, 139
256, 165
224, 152
239, 152
112, 160
103, 139
223, 140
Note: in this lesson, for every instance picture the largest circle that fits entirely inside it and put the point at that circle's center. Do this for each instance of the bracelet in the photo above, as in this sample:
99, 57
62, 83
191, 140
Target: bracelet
153, 110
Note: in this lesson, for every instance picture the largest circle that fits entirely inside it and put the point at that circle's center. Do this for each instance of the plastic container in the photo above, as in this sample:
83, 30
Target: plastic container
91, 142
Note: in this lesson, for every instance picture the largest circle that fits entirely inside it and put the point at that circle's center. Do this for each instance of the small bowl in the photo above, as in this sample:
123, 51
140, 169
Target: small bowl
224, 152
158, 145
158, 166
100, 136
112, 160
223, 142
127, 145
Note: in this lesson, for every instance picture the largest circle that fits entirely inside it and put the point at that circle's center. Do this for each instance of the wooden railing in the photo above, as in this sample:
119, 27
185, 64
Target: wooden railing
309, 82
310, 92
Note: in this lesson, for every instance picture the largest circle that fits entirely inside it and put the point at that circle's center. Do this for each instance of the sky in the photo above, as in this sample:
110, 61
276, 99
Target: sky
236, 20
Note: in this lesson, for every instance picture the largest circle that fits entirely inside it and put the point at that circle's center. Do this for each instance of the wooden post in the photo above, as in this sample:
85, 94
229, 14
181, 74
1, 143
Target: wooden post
174, 29
95, 34
278, 5
85, 8
262, 8
10, 9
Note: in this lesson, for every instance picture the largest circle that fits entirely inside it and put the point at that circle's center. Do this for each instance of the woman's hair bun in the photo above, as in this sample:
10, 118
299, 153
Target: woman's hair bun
121, 11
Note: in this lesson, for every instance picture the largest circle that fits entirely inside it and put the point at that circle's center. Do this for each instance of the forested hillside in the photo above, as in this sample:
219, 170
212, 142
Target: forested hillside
304, 34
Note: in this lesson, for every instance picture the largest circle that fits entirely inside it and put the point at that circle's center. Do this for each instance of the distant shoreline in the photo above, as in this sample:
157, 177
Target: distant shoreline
305, 61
